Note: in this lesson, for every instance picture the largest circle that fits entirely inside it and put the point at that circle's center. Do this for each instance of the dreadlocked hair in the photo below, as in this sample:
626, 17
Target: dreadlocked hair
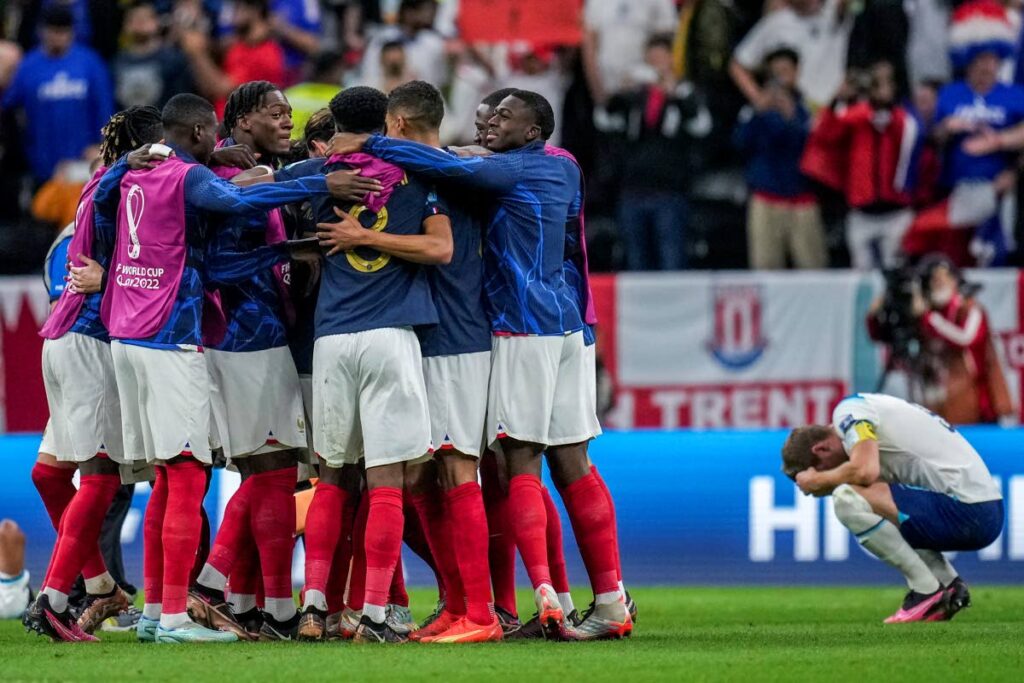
244, 99
128, 130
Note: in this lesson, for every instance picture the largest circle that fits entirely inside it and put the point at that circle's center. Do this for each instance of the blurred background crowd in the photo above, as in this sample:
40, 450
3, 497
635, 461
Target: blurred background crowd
762, 134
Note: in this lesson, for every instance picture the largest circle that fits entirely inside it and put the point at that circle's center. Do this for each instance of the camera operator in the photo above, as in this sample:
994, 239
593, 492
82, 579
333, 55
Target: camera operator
863, 146
944, 344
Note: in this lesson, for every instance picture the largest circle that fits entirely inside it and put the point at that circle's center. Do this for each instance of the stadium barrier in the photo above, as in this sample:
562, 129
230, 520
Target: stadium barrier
693, 508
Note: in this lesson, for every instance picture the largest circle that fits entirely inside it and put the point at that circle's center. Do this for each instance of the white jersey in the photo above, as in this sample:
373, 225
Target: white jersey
916, 447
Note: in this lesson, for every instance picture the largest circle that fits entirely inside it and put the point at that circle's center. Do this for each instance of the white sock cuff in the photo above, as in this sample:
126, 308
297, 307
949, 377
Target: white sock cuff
314, 598
242, 602
152, 610
212, 578
173, 620
100, 585
375, 613
281, 609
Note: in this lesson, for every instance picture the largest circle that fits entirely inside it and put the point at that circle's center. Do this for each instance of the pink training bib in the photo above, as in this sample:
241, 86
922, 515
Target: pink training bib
590, 313
69, 305
389, 176
149, 255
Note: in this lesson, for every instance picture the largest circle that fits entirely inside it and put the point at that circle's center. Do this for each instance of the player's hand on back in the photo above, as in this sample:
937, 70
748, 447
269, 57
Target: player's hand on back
349, 186
87, 279
235, 156
145, 157
348, 143
341, 236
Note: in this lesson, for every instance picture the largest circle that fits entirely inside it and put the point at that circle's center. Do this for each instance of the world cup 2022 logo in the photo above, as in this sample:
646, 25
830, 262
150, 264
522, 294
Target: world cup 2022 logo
135, 204
737, 338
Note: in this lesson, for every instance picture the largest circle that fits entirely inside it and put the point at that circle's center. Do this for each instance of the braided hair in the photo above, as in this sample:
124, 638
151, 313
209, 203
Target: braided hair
244, 99
128, 130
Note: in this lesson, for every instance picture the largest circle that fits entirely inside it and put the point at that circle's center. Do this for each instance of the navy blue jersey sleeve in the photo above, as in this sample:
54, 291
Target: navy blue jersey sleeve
300, 169
435, 205
498, 173
203, 189
235, 267
108, 190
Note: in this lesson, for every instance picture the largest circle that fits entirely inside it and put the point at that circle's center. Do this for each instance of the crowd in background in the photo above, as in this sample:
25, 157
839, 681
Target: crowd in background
714, 133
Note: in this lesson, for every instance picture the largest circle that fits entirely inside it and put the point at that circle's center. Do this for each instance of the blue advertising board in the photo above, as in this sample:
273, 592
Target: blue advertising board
693, 508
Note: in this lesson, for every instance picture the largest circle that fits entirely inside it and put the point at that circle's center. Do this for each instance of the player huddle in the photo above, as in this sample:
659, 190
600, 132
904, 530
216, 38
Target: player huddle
436, 333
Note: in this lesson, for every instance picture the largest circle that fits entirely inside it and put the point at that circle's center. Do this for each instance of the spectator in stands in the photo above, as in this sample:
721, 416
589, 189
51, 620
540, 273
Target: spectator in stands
783, 219
615, 33
146, 70
980, 128
424, 47
817, 30
660, 123
929, 162
316, 93
64, 90
296, 25
870, 141
394, 67
927, 41
253, 55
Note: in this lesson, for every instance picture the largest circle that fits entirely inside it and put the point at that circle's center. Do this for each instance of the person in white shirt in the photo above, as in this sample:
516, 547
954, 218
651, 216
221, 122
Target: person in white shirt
15, 592
615, 35
908, 486
819, 32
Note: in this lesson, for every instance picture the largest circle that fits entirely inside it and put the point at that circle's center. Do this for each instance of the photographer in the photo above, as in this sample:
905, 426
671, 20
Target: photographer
944, 344
871, 140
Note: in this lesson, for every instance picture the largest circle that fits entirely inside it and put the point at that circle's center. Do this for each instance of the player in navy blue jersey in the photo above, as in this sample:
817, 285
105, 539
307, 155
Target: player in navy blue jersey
153, 308
456, 366
369, 397
539, 369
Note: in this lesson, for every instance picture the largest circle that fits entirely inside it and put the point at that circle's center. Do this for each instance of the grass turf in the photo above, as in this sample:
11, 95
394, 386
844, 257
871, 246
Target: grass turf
751, 634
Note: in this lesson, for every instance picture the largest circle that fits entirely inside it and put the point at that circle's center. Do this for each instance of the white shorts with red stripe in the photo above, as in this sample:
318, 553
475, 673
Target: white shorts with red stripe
257, 401
165, 399
542, 390
457, 396
85, 413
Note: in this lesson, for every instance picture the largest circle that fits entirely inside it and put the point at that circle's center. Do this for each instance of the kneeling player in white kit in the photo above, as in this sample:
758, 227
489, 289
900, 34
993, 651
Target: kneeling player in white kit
909, 486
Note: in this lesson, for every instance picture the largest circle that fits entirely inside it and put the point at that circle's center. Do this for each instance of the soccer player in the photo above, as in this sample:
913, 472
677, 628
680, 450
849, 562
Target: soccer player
257, 398
85, 418
153, 308
369, 397
538, 364
908, 486
456, 367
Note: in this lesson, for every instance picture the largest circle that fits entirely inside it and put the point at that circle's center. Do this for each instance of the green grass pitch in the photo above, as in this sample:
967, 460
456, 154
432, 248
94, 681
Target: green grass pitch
734, 634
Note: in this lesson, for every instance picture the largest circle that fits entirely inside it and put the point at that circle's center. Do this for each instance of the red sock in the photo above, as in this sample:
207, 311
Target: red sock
466, 505
615, 519
357, 580
501, 551
246, 578
529, 522
417, 541
556, 550
80, 530
152, 540
592, 521
273, 526
233, 531
55, 488
430, 511
186, 484
341, 562
323, 533
397, 595
383, 543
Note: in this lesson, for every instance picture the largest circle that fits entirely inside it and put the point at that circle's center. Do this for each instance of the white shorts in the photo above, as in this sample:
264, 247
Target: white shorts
308, 455
457, 396
85, 414
256, 401
369, 398
165, 394
541, 389
48, 445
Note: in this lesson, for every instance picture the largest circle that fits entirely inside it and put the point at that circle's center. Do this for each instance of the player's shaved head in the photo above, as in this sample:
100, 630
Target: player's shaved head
359, 109
191, 123
798, 451
419, 104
